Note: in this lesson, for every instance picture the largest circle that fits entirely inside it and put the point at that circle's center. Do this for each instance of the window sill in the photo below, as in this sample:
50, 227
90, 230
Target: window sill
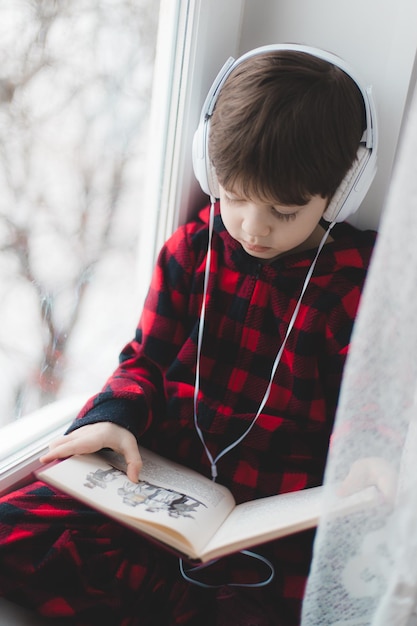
23, 441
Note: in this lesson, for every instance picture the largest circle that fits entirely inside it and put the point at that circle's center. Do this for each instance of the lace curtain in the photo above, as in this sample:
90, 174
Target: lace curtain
364, 569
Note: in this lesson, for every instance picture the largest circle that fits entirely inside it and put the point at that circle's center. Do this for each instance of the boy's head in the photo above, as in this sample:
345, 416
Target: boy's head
286, 126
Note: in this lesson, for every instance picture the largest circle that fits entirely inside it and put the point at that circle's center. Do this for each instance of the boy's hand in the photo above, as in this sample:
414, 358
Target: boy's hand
94, 437
370, 471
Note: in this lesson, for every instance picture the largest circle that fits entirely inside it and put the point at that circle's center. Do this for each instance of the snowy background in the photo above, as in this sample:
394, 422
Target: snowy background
75, 85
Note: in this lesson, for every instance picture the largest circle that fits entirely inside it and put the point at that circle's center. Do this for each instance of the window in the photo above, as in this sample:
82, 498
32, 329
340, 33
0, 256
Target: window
75, 91
100, 100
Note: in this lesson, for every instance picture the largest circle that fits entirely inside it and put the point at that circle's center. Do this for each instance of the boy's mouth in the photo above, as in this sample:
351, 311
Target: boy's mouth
256, 249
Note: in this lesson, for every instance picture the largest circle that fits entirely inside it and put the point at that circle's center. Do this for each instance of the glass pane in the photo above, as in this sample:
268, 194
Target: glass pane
75, 87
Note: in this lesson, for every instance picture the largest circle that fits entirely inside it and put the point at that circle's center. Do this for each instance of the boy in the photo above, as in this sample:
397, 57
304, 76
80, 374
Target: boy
235, 367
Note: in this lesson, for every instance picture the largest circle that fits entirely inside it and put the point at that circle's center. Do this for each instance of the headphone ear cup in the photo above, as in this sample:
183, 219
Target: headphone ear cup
352, 189
199, 165
203, 167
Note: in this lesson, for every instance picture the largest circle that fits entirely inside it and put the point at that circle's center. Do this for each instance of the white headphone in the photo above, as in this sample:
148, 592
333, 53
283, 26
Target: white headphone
356, 183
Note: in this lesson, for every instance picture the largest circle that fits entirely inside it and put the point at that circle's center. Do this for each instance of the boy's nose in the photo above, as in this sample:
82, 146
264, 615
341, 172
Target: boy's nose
254, 224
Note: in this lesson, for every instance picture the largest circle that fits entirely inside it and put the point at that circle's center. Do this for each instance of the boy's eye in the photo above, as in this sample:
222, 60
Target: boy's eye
286, 217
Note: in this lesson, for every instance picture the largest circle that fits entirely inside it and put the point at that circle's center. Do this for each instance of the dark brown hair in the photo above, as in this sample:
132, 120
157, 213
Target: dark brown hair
286, 126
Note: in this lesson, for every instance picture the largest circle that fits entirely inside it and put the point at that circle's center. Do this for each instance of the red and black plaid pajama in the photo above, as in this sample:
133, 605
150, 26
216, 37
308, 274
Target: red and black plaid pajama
69, 562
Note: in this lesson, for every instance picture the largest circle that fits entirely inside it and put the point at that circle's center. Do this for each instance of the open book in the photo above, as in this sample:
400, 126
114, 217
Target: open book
187, 512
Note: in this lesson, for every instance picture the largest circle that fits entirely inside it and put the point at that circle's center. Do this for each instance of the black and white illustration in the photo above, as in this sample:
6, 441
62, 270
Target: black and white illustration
145, 494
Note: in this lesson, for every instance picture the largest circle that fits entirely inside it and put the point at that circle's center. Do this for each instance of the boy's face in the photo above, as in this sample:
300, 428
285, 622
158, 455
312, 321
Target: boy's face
268, 231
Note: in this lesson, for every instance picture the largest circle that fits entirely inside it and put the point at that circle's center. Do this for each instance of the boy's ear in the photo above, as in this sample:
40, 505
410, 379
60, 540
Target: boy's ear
353, 188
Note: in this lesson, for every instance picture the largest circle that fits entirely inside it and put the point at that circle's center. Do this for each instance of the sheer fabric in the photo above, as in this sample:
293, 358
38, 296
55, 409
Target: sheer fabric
364, 569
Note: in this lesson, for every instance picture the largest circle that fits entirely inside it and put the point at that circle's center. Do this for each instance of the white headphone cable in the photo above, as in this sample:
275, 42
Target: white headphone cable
213, 461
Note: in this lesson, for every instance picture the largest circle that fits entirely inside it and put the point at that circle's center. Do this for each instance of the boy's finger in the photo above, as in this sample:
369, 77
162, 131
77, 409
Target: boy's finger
133, 470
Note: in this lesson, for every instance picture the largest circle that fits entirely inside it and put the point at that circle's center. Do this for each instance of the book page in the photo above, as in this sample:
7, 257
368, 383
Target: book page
169, 474
172, 503
268, 518
273, 517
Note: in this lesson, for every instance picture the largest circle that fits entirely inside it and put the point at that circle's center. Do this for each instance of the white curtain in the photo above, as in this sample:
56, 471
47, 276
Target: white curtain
364, 569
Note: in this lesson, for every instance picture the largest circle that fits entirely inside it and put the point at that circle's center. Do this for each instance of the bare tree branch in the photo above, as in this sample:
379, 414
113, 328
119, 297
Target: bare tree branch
74, 96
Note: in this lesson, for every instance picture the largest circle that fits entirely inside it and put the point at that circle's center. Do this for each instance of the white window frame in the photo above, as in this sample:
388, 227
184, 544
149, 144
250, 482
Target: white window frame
195, 38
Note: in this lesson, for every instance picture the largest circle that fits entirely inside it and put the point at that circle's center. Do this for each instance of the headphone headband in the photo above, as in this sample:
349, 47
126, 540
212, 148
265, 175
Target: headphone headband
355, 185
